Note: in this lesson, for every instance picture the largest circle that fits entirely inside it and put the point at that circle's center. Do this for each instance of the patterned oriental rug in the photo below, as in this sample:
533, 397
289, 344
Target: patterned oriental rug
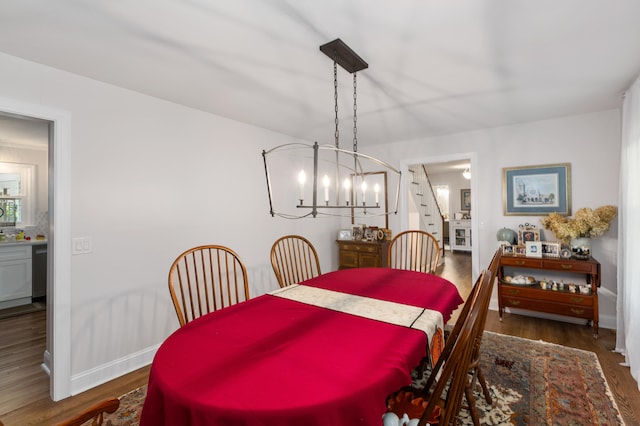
532, 383
539, 383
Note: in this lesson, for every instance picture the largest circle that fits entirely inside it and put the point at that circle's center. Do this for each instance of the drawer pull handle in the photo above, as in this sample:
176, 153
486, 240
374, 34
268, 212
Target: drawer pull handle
577, 299
520, 262
577, 311
514, 302
513, 292
565, 266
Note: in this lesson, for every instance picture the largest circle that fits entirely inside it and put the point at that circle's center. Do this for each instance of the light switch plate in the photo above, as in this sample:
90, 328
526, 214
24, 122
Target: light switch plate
82, 245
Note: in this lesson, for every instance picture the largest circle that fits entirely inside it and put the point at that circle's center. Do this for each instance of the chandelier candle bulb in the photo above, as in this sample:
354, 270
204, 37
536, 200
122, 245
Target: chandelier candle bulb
325, 181
376, 189
347, 186
364, 193
302, 178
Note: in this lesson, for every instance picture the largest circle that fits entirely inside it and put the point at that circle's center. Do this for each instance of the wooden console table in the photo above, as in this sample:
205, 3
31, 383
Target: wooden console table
363, 254
560, 301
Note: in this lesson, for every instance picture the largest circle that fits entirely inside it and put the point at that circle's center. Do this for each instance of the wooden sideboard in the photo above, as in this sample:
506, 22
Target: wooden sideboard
559, 301
362, 254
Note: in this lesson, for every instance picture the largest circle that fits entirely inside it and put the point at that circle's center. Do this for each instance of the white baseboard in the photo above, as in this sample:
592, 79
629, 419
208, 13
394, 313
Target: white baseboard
112, 370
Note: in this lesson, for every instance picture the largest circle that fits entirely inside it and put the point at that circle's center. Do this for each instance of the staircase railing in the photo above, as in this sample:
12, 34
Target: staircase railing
431, 218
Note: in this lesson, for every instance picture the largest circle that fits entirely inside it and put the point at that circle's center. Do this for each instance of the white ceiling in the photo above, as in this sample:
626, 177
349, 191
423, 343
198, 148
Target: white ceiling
435, 66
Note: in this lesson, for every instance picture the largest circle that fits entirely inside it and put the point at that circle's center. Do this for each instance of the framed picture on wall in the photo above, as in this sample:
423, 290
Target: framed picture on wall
465, 199
537, 190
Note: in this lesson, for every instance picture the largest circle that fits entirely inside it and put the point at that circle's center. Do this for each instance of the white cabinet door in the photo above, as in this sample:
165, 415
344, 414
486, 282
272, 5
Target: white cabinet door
460, 235
15, 279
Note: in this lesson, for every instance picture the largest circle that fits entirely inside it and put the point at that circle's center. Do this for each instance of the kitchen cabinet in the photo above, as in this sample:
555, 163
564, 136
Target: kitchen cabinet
460, 235
15, 275
582, 302
362, 254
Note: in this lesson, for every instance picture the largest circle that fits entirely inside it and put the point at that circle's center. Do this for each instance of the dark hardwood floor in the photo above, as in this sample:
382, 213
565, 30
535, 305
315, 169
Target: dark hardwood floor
24, 387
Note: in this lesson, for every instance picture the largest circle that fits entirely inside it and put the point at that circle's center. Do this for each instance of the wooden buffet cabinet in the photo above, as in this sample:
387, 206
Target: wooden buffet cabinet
560, 302
362, 254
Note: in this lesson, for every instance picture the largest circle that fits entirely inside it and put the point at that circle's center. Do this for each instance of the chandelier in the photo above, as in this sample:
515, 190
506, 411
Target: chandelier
315, 179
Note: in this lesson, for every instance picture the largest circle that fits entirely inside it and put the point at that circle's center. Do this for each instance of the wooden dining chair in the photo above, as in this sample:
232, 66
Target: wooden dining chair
294, 259
477, 300
474, 367
414, 250
206, 278
445, 388
95, 413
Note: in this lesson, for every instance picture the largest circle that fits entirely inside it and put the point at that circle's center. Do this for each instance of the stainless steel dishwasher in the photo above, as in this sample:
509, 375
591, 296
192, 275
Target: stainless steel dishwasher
39, 271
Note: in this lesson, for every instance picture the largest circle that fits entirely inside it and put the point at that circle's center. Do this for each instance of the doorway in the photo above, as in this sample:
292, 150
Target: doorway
24, 206
57, 357
441, 164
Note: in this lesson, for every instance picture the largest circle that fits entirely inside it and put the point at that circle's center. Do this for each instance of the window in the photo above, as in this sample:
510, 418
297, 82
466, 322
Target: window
17, 194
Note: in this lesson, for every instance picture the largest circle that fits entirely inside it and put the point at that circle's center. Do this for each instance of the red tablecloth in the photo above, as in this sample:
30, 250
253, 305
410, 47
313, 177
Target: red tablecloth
274, 361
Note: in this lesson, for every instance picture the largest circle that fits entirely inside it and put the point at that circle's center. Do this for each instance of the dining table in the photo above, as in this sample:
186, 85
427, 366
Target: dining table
324, 352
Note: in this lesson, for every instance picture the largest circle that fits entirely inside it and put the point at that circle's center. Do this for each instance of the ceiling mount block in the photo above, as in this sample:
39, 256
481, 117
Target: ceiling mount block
344, 55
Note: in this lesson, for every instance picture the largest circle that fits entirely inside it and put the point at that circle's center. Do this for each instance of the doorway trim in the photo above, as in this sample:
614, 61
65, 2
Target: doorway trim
404, 190
57, 356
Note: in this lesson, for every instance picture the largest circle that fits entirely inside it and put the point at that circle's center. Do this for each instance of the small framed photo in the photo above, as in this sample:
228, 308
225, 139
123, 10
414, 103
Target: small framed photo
358, 233
520, 250
527, 232
345, 234
368, 233
550, 249
507, 249
533, 248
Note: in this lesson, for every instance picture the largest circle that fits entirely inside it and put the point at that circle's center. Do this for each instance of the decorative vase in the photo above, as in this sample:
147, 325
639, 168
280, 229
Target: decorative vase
581, 248
508, 235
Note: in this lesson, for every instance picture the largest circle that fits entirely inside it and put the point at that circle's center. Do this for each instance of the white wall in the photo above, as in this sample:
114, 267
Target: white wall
150, 179
590, 142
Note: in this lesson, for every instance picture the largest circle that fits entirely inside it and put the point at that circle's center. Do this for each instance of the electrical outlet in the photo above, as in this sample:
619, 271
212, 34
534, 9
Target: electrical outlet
82, 245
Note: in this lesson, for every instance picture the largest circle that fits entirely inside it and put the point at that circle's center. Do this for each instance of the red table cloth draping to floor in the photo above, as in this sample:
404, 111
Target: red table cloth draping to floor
274, 361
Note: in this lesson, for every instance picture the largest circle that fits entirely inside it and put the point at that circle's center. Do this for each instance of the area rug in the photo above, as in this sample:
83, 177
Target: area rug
128, 413
532, 383
540, 383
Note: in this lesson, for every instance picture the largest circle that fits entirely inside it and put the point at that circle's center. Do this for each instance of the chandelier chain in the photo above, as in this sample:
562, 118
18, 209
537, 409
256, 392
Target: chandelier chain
355, 114
335, 98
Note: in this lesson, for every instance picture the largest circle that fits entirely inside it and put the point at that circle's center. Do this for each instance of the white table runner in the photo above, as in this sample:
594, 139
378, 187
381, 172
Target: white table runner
426, 320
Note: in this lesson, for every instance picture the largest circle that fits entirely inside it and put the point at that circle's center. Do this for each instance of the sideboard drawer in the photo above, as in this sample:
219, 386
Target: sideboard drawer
568, 266
577, 311
360, 248
521, 262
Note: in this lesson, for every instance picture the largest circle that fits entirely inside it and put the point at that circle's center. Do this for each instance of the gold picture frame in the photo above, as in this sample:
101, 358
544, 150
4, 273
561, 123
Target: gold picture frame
528, 232
537, 190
